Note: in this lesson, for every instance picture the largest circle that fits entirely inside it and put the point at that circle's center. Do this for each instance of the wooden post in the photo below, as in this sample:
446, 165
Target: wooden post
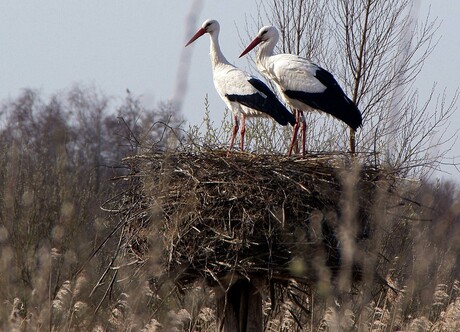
240, 308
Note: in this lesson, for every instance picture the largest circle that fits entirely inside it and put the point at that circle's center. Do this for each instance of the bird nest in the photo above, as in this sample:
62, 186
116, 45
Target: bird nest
206, 215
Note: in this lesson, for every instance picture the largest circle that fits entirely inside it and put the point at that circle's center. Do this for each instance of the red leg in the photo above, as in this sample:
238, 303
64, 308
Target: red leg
304, 131
243, 131
234, 132
294, 133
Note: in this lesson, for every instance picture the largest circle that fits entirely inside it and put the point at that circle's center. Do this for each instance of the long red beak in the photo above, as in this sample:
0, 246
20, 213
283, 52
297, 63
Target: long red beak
197, 35
253, 44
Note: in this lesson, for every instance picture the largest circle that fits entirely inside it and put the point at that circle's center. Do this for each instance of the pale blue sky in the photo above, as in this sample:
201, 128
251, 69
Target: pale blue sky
118, 44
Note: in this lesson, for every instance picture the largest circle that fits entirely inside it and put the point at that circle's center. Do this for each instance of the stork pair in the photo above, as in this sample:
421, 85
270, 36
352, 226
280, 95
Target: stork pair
302, 84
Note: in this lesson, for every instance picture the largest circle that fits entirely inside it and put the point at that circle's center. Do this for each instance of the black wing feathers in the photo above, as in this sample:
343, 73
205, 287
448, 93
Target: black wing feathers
269, 105
332, 100
262, 87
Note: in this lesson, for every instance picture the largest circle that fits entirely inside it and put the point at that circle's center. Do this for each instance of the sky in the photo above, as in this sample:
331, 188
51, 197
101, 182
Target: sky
50, 45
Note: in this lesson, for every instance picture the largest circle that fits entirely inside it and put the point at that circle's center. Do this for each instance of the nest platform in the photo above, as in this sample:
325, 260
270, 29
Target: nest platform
209, 215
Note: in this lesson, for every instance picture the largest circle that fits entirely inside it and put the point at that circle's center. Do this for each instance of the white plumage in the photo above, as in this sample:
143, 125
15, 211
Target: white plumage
243, 94
303, 85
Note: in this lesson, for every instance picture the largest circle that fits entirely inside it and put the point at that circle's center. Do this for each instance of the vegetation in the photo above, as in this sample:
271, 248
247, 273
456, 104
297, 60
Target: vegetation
380, 48
64, 262
57, 158
61, 264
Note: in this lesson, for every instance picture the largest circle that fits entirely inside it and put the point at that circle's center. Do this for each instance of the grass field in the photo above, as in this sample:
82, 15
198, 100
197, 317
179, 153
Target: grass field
63, 268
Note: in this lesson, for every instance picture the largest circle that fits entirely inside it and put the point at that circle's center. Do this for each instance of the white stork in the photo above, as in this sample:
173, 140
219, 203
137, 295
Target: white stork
303, 85
243, 94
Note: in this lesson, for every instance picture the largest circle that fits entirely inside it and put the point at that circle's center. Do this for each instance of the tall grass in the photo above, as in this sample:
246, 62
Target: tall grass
58, 272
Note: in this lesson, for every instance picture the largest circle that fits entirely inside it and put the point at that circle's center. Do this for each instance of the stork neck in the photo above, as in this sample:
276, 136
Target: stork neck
215, 52
265, 50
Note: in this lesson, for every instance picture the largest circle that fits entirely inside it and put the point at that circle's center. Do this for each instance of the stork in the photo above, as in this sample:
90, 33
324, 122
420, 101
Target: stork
303, 85
244, 95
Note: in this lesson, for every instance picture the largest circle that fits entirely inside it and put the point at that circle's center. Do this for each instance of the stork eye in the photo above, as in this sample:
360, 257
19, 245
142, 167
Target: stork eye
208, 24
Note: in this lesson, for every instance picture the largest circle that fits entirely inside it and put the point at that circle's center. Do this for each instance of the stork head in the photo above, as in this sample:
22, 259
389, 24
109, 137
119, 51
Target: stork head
208, 26
266, 34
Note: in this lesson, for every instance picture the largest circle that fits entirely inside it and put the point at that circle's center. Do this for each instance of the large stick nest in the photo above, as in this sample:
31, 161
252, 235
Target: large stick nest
210, 215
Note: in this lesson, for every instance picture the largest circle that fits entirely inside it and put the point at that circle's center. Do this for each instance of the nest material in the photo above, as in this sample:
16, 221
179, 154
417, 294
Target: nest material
248, 214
